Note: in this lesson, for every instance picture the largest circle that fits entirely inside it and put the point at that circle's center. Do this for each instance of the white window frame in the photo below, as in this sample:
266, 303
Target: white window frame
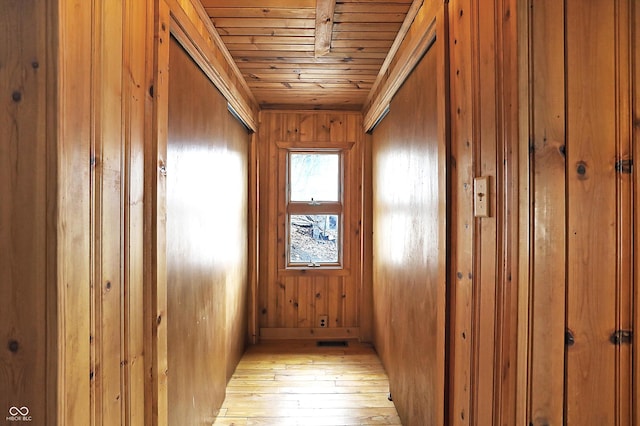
290, 208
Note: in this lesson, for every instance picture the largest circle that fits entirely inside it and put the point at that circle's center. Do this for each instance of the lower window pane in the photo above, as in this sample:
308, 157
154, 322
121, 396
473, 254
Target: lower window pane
313, 239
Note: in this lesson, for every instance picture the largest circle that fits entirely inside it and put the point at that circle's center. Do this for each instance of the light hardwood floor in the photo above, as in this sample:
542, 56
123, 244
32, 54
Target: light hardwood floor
299, 383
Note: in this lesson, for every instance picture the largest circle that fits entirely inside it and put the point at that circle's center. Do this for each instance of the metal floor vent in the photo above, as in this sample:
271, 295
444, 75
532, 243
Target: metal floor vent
332, 343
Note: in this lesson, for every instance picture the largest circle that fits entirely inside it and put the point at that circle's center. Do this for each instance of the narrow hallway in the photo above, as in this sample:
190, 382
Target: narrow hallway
301, 383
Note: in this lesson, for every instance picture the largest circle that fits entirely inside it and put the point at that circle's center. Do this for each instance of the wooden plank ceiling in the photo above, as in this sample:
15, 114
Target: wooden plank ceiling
309, 54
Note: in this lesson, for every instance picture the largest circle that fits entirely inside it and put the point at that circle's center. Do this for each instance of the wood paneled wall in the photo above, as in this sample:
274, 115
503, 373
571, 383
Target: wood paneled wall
26, 172
409, 242
484, 275
72, 221
581, 113
82, 216
207, 158
289, 302
120, 80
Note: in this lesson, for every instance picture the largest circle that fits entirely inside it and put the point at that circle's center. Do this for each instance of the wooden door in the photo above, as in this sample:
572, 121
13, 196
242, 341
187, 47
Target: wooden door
599, 292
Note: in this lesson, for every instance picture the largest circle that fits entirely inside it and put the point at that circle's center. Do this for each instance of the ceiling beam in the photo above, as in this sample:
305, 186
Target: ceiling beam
324, 26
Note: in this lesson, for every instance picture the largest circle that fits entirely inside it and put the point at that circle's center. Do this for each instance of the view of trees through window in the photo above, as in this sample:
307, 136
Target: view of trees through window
314, 239
314, 185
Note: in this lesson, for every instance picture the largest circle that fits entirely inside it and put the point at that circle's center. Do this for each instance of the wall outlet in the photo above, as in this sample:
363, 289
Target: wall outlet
323, 321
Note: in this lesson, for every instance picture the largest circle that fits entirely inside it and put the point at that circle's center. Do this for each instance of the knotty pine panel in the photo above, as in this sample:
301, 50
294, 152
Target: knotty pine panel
582, 207
117, 302
462, 221
70, 231
207, 172
290, 302
409, 245
483, 315
108, 213
594, 237
23, 211
548, 214
137, 43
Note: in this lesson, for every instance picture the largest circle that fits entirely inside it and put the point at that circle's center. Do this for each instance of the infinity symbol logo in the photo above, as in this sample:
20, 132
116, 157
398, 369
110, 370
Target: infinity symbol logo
14, 411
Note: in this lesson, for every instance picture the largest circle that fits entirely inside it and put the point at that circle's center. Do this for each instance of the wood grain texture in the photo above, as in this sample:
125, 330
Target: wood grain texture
207, 158
548, 214
414, 37
591, 178
138, 40
155, 205
525, 208
279, 33
487, 232
107, 216
292, 299
194, 30
507, 389
463, 135
635, 140
409, 247
71, 213
484, 299
289, 383
25, 174
79, 146
324, 26
591, 124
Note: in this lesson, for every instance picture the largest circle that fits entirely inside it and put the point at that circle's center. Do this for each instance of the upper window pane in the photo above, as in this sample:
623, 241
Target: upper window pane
314, 176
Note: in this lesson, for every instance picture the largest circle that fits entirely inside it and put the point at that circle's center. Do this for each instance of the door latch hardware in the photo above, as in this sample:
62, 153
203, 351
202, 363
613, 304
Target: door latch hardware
569, 340
624, 166
621, 336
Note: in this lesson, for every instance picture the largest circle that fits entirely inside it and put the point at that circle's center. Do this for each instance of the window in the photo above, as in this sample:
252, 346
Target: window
314, 208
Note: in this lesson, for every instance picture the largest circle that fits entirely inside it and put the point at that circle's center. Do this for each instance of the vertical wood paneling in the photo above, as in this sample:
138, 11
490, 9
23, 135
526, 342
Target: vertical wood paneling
207, 160
137, 43
107, 213
624, 189
548, 213
507, 389
577, 45
365, 291
71, 214
462, 221
549, 232
524, 261
591, 155
85, 209
409, 226
484, 29
254, 241
24, 175
156, 407
289, 301
484, 298
635, 140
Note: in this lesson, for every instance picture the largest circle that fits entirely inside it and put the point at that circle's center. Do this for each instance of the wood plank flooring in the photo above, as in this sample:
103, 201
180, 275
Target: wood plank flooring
299, 383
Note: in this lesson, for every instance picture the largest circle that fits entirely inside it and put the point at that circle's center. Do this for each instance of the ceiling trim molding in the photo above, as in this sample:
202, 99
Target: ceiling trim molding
416, 36
193, 29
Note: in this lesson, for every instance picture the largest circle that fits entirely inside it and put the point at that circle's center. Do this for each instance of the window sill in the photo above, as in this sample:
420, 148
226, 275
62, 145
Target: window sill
314, 271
